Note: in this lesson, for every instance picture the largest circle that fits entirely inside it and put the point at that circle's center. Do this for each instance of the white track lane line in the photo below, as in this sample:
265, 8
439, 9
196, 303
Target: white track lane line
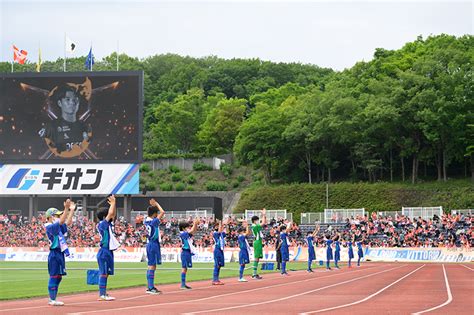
364, 299
467, 267
226, 294
292, 296
450, 296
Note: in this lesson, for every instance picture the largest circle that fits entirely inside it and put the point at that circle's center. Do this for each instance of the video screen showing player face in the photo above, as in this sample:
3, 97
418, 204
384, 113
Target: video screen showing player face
69, 117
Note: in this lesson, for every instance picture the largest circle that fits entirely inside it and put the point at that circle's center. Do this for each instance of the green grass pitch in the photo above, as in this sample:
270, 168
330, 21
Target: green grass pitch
30, 279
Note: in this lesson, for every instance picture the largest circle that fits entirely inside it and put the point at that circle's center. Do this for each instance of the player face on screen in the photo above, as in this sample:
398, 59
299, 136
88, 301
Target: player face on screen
69, 105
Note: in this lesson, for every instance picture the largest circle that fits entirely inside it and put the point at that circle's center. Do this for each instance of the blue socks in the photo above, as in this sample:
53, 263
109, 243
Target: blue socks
349, 264
309, 264
102, 284
150, 277
53, 285
183, 279
358, 261
241, 271
327, 264
283, 266
216, 273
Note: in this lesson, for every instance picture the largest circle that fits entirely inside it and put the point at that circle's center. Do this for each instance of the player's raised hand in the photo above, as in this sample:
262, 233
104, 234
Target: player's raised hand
72, 206
111, 200
153, 202
67, 204
264, 211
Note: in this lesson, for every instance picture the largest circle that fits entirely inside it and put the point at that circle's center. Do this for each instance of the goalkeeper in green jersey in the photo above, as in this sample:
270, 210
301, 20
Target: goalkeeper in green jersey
258, 241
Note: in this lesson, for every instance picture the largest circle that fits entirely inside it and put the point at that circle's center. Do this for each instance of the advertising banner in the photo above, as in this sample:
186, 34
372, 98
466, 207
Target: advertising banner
69, 179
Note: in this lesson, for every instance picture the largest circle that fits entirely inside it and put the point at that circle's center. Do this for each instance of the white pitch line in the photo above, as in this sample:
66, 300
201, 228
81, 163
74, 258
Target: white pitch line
292, 296
220, 295
364, 299
467, 267
450, 296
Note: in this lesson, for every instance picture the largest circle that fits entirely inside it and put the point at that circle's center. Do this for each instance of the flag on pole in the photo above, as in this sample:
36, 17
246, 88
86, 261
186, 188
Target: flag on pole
89, 60
38, 65
19, 55
70, 45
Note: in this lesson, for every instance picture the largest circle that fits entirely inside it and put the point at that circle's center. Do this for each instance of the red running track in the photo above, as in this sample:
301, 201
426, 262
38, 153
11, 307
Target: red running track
382, 288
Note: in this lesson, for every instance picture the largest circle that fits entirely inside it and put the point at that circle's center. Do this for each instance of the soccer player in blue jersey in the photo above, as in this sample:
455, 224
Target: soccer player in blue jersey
337, 251
187, 249
360, 253
108, 243
350, 252
244, 257
310, 242
328, 251
219, 242
284, 247
153, 252
56, 231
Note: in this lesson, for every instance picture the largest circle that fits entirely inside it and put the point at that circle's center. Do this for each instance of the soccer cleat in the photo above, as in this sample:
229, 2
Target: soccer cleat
106, 298
310, 270
328, 268
243, 280
285, 273
153, 291
185, 287
55, 303
217, 283
256, 277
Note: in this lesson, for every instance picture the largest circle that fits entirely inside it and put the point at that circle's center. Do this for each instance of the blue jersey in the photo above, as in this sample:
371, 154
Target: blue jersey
219, 240
53, 230
338, 246
328, 244
104, 232
243, 244
153, 230
185, 236
284, 240
309, 241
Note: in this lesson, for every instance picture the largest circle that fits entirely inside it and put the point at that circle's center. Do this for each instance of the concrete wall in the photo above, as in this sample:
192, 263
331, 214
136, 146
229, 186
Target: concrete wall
187, 164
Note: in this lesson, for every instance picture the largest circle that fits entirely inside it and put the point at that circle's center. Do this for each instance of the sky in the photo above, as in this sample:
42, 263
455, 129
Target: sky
334, 34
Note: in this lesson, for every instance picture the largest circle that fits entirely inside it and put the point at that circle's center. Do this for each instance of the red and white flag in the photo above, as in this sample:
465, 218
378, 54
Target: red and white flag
19, 55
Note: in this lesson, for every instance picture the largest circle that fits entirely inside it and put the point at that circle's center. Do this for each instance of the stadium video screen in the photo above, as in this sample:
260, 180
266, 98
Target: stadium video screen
69, 117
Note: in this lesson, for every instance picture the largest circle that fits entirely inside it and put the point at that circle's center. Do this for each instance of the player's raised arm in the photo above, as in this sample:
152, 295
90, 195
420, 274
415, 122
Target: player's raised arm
195, 225
112, 209
64, 215
316, 230
264, 216
154, 203
247, 228
221, 226
72, 208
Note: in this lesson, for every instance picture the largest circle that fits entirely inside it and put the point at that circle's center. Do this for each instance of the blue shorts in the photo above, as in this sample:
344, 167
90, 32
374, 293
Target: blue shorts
337, 255
329, 255
311, 254
186, 260
105, 259
219, 258
153, 254
285, 254
351, 254
244, 257
360, 252
56, 263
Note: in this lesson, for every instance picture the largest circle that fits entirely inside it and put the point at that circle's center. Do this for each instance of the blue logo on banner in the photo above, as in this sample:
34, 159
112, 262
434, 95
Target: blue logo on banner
22, 176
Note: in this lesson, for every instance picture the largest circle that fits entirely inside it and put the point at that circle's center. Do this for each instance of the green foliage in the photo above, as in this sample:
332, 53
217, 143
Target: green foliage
150, 186
235, 184
174, 169
240, 178
180, 187
226, 169
190, 188
299, 198
191, 179
216, 186
166, 187
145, 168
176, 177
198, 166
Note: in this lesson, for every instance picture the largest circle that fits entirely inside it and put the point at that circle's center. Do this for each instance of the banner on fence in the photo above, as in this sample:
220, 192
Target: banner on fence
420, 254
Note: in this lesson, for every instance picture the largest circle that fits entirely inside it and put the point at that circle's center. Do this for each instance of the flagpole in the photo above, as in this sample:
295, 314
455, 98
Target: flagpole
64, 66
117, 55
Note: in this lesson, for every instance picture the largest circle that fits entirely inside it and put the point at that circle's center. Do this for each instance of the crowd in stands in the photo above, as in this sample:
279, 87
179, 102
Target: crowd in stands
373, 230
